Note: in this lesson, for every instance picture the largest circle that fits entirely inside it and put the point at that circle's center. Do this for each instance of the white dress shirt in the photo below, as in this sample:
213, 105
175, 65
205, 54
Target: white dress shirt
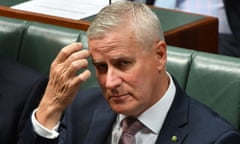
153, 119
41, 130
141, 1
165, 3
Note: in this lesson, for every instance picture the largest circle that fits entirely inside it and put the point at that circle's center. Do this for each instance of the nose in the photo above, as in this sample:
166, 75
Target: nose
112, 79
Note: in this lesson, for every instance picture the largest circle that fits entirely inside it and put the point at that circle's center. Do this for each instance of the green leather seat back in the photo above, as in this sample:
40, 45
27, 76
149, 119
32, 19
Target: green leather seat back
41, 44
92, 81
178, 63
11, 2
11, 32
215, 81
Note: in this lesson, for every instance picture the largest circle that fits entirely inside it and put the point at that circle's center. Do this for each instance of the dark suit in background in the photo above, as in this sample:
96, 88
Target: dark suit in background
20, 92
233, 15
89, 120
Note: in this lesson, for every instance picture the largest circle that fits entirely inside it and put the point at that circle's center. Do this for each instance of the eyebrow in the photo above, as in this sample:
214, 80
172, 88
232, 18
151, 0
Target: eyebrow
94, 62
113, 58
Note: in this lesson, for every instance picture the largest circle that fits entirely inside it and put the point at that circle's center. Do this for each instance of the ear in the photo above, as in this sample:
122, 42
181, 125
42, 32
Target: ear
161, 54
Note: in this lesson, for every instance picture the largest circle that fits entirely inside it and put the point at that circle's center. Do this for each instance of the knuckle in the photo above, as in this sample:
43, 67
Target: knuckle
74, 65
83, 63
76, 44
84, 76
64, 51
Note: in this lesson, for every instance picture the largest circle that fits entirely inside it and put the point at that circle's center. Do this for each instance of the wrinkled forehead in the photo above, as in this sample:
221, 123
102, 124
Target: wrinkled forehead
115, 36
114, 44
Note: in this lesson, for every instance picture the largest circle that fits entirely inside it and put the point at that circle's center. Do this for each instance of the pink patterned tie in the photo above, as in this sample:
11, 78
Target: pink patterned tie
130, 127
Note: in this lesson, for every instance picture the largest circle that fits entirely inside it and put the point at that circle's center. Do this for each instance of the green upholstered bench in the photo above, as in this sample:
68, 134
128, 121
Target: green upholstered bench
210, 78
41, 43
37, 44
11, 2
215, 81
11, 32
178, 63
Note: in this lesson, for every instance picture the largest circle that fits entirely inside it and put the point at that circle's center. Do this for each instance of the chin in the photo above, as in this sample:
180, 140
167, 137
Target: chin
119, 108
123, 109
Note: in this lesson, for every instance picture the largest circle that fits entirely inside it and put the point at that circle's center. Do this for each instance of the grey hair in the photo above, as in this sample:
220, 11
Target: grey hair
138, 17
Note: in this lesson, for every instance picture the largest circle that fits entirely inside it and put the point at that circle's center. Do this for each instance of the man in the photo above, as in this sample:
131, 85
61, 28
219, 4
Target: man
128, 50
20, 91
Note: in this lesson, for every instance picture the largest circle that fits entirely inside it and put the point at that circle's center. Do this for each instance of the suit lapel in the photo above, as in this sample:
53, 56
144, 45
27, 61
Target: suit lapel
101, 127
175, 125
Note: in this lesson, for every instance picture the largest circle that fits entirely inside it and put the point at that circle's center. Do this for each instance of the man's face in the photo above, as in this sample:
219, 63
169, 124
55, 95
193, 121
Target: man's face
127, 74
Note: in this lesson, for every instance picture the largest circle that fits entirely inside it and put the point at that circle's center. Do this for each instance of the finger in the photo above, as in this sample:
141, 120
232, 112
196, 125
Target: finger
81, 78
83, 54
75, 66
67, 51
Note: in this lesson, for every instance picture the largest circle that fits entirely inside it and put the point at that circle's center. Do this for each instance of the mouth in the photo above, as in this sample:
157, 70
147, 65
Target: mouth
119, 98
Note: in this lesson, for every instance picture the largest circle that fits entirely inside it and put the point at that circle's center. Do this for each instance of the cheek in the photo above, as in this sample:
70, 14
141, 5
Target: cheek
142, 80
101, 79
136, 80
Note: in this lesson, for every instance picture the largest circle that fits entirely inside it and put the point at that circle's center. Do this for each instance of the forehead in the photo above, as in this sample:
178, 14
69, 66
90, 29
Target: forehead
113, 43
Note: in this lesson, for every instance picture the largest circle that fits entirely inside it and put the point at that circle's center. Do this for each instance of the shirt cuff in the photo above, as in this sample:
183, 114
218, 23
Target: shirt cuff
41, 130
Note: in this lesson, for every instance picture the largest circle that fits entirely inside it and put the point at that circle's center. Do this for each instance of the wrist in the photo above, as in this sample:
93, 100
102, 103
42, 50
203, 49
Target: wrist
48, 115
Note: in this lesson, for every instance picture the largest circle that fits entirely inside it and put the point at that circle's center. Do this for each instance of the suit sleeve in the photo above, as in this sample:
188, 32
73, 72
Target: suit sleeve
21, 88
28, 136
25, 128
230, 137
33, 99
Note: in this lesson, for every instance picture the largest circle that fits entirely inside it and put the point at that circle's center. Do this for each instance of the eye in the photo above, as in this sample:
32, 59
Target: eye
123, 64
101, 68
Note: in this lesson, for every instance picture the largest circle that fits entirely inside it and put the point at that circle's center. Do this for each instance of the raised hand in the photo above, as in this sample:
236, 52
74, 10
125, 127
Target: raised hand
63, 83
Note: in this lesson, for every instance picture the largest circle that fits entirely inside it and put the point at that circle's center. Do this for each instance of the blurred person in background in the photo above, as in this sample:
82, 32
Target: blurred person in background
229, 25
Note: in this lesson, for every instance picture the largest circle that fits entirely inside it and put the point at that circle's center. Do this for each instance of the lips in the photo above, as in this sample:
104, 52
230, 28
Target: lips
121, 97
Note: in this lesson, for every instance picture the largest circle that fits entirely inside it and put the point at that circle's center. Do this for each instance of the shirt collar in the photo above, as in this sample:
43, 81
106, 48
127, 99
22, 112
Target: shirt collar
149, 118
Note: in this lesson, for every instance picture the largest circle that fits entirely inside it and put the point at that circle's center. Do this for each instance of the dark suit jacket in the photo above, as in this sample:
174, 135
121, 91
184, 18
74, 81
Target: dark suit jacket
233, 15
231, 42
20, 91
89, 120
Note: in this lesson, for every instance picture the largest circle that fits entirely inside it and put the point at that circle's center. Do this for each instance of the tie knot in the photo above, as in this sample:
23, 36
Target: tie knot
131, 125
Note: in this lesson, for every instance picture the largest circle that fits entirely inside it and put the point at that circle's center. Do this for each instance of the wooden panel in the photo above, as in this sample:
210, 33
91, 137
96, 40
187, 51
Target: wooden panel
65, 22
181, 29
